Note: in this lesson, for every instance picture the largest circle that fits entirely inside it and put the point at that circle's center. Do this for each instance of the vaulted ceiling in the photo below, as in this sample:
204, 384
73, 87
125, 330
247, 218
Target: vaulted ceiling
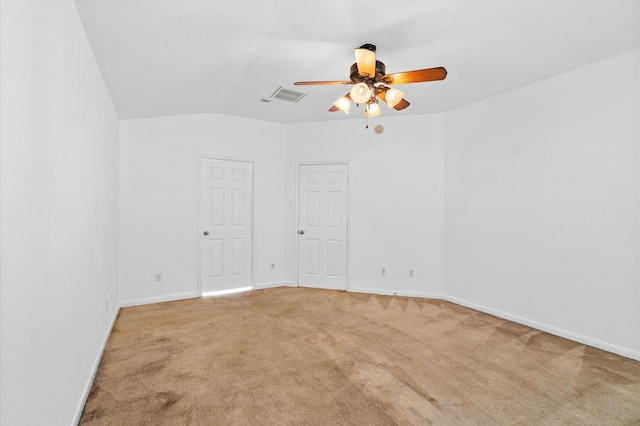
174, 57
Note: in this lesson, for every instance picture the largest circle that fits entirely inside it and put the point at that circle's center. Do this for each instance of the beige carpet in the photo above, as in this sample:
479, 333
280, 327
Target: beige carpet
319, 357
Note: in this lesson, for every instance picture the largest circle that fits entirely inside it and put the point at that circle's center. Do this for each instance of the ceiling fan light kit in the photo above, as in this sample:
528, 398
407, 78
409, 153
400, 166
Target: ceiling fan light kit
394, 96
370, 80
372, 110
361, 93
343, 104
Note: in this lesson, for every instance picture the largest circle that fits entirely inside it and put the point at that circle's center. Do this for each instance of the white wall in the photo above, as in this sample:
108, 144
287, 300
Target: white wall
397, 198
59, 212
541, 216
159, 160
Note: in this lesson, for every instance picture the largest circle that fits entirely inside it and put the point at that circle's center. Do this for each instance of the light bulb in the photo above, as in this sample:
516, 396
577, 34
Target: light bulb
373, 110
394, 96
343, 104
360, 93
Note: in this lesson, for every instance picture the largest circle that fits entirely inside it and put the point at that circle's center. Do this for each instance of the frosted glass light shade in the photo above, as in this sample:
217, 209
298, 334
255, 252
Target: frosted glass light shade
343, 104
366, 60
372, 110
360, 93
394, 96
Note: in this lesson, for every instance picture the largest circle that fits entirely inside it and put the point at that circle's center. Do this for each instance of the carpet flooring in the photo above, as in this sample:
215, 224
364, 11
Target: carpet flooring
303, 356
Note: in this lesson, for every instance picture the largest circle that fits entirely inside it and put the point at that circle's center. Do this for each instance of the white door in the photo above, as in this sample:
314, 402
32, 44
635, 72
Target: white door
322, 226
226, 216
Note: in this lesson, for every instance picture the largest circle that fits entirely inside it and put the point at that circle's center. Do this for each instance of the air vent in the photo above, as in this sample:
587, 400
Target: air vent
288, 95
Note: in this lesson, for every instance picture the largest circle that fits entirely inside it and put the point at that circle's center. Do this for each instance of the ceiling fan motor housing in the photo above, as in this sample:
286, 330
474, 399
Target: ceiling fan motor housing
369, 46
355, 76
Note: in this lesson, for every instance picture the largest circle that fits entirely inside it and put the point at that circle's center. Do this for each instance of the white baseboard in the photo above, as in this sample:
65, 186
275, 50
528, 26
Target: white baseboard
159, 299
629, 353
385, 292
274, 284
94, 368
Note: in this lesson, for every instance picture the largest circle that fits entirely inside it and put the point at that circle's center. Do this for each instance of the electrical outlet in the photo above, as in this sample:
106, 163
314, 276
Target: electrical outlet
158, 277
384, 272
410, 273
272, 266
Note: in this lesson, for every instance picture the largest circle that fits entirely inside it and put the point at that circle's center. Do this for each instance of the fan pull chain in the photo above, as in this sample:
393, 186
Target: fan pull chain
367, 119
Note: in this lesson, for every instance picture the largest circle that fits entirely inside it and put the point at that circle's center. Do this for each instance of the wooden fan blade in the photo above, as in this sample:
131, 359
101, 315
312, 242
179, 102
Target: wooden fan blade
401, 105
416, 76
315, 83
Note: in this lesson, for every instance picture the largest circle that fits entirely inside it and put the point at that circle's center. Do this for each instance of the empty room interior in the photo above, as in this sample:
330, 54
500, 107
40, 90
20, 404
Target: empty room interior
458, 179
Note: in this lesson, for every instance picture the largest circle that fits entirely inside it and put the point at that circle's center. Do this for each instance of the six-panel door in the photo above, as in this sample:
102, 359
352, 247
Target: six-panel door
226, 216
322, 226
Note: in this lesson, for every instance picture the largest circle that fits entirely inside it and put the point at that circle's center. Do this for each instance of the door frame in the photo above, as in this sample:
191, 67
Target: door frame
201, 158
296, 278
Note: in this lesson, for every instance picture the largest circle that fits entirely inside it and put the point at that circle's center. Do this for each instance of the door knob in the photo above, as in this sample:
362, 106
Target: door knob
206, 232
301, 232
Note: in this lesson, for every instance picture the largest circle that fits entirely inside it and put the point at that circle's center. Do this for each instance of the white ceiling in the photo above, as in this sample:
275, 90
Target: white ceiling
173, 57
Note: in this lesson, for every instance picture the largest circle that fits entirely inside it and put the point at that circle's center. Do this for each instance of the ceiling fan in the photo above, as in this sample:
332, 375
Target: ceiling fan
368, 75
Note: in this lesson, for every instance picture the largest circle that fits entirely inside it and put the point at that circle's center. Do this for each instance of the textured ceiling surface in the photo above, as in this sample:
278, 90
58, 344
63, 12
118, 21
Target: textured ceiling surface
174, 57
